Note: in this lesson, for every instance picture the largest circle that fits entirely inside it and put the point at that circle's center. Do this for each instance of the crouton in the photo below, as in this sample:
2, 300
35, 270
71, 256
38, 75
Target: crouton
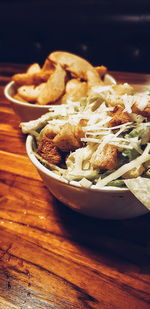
145, 112
105, 159
119, 116
79, 133
48, 151
50, 130
66, 140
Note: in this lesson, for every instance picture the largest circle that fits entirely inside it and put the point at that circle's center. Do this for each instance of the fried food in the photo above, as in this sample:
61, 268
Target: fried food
54, 88
73, 63
145, 112
105, 159
92, 79
30, 92
75, 89
50, 130
48, 65
66, 139
48, 151
32, 78
101, 70
78, 132
65, 75
34, 68
119, 116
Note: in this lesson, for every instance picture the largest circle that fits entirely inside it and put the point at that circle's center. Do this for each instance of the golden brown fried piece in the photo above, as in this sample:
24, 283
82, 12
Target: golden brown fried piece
27, 78
105, 159
34, 75
48, 151
101, 70
66, 140
33, 68
92, 79
74, 64
31, 79
145, 112
119, 116
54, 88
50, 130
57, 69
78, 131
48, 65
30, 92
75, 89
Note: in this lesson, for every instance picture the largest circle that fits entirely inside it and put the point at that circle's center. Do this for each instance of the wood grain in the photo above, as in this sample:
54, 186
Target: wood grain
52, 257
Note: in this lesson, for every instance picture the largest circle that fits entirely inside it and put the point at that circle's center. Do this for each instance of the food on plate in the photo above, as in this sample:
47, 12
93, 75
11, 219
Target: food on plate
101, 139
63, 75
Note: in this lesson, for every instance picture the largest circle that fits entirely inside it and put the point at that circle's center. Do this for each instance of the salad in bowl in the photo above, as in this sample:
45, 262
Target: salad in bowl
100, 141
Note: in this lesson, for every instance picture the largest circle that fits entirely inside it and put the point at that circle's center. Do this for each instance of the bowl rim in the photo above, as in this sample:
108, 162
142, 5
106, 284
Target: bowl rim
10, 98
48, 172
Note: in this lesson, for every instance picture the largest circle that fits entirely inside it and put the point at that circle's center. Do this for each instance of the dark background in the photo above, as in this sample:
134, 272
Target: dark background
111, 32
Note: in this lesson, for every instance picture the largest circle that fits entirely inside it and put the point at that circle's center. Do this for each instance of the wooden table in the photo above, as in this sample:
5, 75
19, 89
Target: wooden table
52, 257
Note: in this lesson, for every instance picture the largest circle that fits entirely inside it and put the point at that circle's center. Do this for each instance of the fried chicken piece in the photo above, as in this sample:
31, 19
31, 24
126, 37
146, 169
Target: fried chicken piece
66, 139
106, 159
48, 151
145, 112
119, 116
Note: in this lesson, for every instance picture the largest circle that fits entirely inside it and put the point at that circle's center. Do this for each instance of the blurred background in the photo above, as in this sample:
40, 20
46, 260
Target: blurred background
109, 32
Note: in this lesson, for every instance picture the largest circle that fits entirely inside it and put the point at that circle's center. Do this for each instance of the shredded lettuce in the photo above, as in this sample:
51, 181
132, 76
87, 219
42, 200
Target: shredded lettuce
131, 138
130, 153
117, 183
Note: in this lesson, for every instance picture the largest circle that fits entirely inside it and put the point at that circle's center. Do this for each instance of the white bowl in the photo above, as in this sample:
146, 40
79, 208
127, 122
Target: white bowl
106, 203
25, 111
